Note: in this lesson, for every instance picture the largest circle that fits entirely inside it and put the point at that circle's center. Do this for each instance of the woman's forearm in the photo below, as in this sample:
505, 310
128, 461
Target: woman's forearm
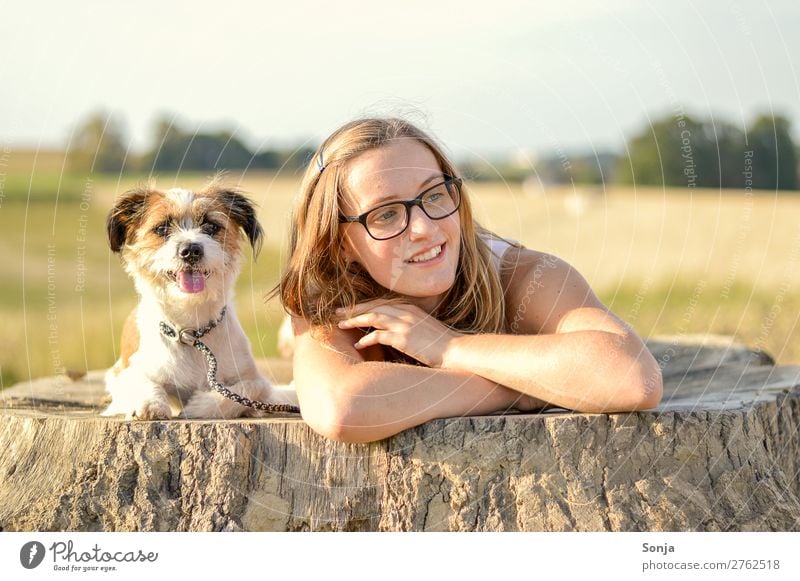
376, 400
588, 371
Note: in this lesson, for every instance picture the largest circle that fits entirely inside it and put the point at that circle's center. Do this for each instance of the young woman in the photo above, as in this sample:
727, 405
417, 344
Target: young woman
405, 310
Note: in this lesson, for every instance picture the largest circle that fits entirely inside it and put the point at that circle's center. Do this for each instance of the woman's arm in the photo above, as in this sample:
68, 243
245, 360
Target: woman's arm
344, 397
571, 350
567, 348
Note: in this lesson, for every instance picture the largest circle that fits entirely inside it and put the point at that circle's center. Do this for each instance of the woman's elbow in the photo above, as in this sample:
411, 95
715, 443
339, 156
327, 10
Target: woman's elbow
648, 387
335, 419
341, 431
325, 417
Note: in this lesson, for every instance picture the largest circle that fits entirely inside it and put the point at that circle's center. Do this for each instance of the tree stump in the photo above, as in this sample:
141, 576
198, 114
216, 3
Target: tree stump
721, 453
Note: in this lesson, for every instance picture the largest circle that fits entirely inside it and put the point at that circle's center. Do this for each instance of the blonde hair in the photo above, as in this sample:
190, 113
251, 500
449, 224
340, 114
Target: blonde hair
318, 278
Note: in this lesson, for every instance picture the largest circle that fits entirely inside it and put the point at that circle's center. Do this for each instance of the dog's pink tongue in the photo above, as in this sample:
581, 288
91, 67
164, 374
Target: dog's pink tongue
191, 281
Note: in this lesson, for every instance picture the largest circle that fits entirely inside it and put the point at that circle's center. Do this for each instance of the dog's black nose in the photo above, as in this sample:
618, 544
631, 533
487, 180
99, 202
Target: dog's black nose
190, 252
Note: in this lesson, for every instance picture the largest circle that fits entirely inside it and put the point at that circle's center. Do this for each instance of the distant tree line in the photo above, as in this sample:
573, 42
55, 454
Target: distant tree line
676, 150
681, 151
100, 144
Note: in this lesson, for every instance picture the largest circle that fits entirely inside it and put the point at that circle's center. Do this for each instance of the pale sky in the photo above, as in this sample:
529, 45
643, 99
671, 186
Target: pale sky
485, 76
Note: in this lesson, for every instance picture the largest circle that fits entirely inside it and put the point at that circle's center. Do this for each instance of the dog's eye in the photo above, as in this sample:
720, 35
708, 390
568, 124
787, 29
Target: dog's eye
211, 228
162, 230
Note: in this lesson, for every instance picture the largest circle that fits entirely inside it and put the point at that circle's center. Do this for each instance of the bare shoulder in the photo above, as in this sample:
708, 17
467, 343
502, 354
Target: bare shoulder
546, 294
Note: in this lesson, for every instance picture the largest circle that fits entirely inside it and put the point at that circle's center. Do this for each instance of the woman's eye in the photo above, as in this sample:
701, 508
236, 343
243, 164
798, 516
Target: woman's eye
162, 230
434, 196
210, 228
387, 215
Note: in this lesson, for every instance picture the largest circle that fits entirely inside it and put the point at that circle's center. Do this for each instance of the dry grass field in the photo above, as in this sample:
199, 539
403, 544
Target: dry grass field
668, 262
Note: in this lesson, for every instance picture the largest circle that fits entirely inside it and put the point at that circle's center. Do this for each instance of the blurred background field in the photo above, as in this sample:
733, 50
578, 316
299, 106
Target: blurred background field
668, 261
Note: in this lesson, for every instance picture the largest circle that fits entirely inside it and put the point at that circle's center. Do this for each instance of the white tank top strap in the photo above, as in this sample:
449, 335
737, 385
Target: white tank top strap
498, 248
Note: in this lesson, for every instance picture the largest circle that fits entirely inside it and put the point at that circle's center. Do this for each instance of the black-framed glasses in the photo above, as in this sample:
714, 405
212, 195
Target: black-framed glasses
391, 219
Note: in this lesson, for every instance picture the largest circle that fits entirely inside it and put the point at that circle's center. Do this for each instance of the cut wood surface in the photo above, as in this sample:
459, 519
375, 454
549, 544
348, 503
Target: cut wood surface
721, 452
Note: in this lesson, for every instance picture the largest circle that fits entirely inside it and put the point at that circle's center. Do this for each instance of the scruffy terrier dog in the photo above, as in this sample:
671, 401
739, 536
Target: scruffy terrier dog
183, 250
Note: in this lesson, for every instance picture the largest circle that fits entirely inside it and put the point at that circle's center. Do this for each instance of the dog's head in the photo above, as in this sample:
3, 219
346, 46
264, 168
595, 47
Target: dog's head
184, 245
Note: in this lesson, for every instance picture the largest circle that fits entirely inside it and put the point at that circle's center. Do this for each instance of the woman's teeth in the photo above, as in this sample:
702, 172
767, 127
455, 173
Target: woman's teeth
430, 255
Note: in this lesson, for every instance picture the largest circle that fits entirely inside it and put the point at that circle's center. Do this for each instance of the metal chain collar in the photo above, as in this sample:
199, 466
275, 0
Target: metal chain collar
189, 336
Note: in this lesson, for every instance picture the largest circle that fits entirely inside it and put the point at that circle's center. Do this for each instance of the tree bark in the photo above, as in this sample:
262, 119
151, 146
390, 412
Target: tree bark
721, 453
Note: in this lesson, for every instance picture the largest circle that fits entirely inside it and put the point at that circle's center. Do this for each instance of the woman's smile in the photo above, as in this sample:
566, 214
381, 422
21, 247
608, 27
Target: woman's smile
430, 257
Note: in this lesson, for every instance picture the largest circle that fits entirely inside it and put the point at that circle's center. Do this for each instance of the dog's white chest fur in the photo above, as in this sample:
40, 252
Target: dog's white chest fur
180, 368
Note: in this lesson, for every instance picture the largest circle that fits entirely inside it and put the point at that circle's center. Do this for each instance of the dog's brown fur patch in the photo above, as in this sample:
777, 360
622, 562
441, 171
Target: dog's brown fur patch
130, 339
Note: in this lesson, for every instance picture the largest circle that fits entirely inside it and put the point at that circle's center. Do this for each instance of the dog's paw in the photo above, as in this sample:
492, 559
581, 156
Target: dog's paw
254, 413
259, 390
202, 405
210, 404
152, 410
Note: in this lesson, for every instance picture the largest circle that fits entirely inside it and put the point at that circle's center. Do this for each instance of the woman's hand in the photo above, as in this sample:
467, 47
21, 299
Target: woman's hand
406, 328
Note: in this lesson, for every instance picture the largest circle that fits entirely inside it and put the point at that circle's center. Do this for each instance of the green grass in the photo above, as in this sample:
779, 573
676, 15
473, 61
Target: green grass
743, 311
43, 188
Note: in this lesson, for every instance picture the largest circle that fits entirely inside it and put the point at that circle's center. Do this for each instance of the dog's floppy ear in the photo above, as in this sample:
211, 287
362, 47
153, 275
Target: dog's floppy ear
124, 217
241, 210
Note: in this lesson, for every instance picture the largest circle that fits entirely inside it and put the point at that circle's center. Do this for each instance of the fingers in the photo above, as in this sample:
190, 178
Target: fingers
387, 330
366, 320
374, 338
404, 327
380, 317
379, 306
358, 309
378, 320
381, 337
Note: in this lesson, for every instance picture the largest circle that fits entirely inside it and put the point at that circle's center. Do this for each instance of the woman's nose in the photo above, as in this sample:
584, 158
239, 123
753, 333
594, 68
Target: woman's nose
419, 224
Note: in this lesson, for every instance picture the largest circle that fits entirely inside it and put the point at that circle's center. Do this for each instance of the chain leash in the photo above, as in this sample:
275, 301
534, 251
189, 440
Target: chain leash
192, 337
